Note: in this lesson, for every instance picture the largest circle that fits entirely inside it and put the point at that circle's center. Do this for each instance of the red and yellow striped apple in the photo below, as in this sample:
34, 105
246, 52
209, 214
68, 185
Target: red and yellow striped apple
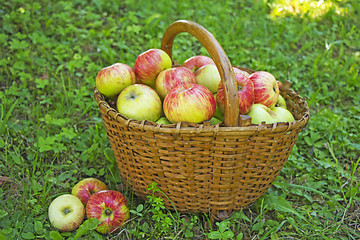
149, 64
173, 77
266, 88
110, 208
196, 62
189, 103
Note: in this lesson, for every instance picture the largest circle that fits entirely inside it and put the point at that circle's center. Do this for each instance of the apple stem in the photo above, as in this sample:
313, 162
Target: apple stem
108, 212
66, 211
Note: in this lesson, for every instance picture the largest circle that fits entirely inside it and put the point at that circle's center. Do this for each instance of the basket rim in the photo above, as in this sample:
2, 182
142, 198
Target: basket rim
197, 128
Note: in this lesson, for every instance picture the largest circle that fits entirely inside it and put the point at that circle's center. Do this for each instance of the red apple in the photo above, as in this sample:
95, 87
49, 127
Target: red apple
86, 187
173, 77
189, 103
110, 81
197, 62
245, 93
266, 88
110, 208
139, 102
66, 212
208, 76
149, 64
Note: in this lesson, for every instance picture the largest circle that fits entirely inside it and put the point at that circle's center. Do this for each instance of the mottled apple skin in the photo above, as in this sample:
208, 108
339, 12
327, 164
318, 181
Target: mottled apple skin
245, 93
266, 88
86, 187
171, 78
189, 103
196, 62
110, 208
111, 80
149, 64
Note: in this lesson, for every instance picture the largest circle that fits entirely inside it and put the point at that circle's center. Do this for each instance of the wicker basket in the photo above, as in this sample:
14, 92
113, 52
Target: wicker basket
202, 167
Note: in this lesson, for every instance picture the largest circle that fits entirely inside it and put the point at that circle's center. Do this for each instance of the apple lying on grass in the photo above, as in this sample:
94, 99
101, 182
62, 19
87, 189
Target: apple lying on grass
149, 64
66, 212
196, 62
189, 103
110, 81
139, 102
110, 208
86, 187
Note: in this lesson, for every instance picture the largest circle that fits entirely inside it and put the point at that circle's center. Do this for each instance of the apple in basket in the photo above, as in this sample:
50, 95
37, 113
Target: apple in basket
281, 102
197, 62
238, 70
283, 114
245, 94
139, 102
172, 77
189, 103
208, 76
266, 88
149, 64
260, 113
86, 187
66, 212
111, 80
110, 208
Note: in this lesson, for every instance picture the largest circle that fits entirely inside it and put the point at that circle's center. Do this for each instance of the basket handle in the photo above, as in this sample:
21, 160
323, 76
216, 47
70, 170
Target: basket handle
231, 114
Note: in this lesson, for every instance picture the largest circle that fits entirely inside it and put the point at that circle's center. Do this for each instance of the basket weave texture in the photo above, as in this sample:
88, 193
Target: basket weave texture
202, 167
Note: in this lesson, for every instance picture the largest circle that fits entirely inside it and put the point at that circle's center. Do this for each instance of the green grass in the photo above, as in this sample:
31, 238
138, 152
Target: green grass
51, 133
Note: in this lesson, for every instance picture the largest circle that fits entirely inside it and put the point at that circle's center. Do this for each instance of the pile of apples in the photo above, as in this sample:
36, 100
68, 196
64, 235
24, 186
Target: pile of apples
156, 91
90, 197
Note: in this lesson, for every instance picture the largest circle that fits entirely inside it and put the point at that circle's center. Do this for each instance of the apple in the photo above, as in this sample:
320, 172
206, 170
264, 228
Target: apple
110, 81
189, 103
283, 114
149, 64
197, 62
208, 76
238, 70
110, 208
266, 88
245, 94
172, 77
163, 120
139, 102
281, 102
260, 113
66, 212
86, 187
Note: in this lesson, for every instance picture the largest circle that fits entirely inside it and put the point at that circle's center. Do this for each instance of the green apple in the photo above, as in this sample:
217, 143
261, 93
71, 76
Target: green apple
163, 120
260, 113
208, 76
283, 114
139, 102
218, 114
281, 102
66, 212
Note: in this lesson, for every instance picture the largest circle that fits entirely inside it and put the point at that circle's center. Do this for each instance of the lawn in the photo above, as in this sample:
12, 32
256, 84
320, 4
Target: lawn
52, 135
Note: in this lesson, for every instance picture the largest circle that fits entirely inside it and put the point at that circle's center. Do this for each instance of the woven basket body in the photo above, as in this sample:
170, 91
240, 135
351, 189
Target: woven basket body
203, 167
